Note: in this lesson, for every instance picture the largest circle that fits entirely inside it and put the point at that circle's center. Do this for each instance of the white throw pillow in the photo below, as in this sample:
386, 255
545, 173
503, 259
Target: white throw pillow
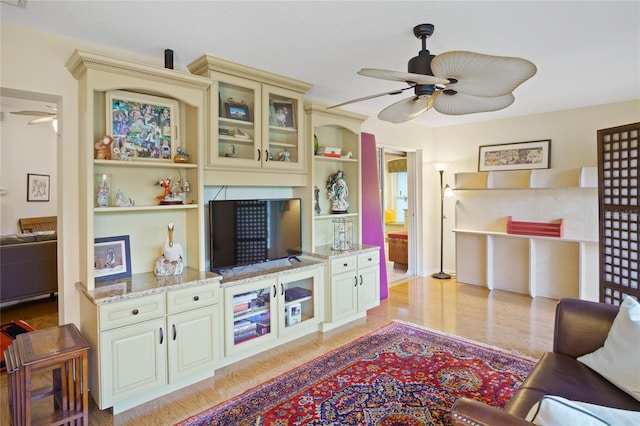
619, 359
557, 411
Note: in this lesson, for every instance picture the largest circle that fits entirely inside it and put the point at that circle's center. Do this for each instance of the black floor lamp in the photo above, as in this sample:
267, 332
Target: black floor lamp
444, 191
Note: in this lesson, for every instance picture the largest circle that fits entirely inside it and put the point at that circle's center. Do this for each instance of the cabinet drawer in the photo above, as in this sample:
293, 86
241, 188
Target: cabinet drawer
343, 264
192, 297
369, 258
131, 311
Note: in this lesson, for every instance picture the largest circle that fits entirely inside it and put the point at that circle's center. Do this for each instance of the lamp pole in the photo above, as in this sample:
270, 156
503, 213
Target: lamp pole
441, 275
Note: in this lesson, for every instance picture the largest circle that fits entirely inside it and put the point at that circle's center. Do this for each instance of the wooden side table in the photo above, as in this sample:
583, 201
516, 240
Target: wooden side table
60, 351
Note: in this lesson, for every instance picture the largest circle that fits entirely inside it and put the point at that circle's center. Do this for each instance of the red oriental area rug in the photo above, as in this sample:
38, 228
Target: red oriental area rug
400, 374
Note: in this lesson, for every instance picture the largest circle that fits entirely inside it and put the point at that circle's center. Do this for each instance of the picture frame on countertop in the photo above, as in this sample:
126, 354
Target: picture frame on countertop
38, 187
143, 127
282, 114
515, 156
111, 258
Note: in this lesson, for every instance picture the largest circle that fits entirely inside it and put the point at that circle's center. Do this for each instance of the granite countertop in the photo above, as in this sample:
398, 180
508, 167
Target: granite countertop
139, 285
326, 252
243, 274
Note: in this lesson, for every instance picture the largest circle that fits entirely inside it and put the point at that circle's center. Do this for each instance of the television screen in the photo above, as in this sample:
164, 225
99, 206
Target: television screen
243, 232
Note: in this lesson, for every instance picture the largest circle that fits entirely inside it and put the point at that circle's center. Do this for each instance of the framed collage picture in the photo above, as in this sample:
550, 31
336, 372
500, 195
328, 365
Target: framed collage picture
143, 127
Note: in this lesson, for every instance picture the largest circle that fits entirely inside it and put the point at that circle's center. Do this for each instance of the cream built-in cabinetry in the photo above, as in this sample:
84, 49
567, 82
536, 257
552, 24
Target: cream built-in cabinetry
256, 125
271, 308
551, 267
146, 346
146, 222
335, 129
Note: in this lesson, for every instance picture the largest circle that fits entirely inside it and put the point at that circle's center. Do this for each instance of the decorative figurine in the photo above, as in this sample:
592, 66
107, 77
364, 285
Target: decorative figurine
173, 190
122, 201
170, 263
181, 156
284, 156
103, 148
338, 192
316, 193
104, 185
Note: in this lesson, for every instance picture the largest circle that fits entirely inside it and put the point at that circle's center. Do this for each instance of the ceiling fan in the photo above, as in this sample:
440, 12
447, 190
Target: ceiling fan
453, 83
43, 116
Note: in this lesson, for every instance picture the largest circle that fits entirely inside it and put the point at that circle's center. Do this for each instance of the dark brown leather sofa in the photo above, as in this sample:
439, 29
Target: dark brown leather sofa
581, 327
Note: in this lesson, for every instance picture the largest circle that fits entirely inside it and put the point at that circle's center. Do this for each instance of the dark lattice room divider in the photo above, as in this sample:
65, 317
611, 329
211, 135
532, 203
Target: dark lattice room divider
618, 183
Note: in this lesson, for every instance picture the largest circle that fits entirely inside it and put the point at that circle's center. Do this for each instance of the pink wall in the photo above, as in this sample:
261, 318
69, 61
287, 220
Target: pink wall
372, 229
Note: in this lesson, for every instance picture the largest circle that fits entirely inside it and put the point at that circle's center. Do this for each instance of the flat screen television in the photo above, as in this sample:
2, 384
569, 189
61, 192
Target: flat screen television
244, 232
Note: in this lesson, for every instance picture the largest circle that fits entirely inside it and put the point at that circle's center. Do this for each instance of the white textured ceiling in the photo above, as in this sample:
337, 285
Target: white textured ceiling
587, 52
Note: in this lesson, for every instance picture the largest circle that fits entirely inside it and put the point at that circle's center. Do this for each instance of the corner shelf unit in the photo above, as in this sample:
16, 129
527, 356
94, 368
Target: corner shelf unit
337, 129
146, 221
553, 267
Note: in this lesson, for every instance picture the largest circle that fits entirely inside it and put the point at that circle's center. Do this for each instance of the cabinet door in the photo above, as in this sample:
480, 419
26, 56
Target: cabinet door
368, 288
282, 129
344, 296
133, 360
236, 131
192, 342
300, 297
250, 315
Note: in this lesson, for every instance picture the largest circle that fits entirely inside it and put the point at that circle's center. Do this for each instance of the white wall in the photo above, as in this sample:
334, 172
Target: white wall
25, 149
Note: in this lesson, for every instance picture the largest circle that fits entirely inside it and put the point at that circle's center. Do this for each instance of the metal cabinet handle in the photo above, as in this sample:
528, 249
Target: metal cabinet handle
161, 335
355, 280
275, 291
196, 298
266, 155
175, 332
259, 153
135, 312
361, 280
281, 289
345, 264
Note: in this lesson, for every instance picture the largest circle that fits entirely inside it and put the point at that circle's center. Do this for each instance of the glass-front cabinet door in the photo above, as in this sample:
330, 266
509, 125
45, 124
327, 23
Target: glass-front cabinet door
250, 315
282, 128
238, 142
300, 300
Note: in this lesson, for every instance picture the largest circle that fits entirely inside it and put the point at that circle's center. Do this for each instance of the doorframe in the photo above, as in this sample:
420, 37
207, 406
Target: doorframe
414, 207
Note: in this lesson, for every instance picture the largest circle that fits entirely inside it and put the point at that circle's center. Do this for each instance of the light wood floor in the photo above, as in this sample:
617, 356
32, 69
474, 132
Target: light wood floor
507, 320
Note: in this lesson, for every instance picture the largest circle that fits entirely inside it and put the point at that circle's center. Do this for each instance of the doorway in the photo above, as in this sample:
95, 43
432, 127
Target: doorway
396, 177
29, 144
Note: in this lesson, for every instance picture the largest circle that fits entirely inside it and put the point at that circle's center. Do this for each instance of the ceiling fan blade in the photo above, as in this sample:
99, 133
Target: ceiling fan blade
34, 113
407, 77
42, 119
364, 98
406, 109
482, 75
461, 103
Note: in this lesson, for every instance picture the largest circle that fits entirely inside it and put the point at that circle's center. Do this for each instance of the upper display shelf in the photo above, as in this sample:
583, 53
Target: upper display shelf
584, 177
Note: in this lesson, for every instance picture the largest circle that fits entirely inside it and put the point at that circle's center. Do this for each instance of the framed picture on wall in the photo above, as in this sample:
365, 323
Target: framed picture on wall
111, 258
515, 156
143, 127
38, 187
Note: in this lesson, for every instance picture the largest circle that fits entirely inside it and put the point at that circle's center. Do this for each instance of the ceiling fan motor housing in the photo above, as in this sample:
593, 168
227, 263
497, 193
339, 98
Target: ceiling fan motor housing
421, 64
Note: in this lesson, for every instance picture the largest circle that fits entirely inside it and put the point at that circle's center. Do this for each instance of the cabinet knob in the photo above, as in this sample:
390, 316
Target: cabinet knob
345, 264
196, 298
135, 312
